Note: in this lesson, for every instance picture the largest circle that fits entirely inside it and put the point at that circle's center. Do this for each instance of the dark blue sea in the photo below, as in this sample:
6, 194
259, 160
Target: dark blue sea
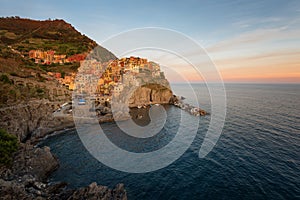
256, 157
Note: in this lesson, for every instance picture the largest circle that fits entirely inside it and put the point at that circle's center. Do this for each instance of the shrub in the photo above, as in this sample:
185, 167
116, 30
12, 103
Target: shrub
8, 145
39, 90
63, 74
13, 74
4, 78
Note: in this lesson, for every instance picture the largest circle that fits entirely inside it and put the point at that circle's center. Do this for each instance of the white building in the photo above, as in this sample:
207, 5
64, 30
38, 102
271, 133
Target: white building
118, 88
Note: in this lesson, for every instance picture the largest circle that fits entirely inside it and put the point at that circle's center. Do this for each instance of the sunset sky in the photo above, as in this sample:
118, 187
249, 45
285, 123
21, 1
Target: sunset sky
249, 41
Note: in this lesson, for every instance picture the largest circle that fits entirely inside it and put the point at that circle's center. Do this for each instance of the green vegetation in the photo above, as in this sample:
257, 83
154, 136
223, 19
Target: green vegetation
10, 35
5, 52
12, 93
4, 78
13, 74
24, 35
18, 36
8, 145
60, 47
63, 73
39, 90
65, 68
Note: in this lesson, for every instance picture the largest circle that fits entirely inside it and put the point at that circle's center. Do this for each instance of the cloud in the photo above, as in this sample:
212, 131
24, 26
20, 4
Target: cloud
253, 38
268, 58
259, 31
254, 22
275, 66
263, 73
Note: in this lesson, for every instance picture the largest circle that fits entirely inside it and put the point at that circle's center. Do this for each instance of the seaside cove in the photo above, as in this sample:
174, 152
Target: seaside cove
190, 176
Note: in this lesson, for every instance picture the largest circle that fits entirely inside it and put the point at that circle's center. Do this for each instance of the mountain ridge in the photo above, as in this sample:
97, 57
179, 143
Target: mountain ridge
26, 34
18, 36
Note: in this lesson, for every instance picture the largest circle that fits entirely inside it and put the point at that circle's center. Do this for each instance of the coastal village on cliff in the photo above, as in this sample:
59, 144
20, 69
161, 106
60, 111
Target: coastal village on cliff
102, 81
49, 73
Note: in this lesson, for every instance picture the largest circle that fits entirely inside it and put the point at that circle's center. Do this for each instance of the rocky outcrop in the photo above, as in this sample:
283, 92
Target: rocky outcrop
26, 179
31, 189
94, 191
33, 120
150, 94
35, 162
13, 190
162, 96
141, 96
29, 161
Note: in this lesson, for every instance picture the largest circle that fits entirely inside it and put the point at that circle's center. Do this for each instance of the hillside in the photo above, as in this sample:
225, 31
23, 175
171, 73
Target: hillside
26, 34
32, 55
20, 36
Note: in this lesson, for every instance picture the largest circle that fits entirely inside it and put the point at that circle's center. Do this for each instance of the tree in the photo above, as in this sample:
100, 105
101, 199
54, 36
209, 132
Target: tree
4, 78
62, 74
8, 145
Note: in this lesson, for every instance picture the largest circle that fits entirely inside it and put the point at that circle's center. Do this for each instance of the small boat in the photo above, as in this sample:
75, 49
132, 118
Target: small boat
139, 107
81, 102
157, 104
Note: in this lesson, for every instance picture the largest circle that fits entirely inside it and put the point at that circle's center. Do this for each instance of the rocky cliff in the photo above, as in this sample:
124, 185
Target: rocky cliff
26, 178
32, 120
25, 112
31, 166
150, 94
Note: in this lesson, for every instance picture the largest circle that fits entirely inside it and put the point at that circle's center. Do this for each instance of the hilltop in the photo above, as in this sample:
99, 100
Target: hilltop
19, 36
50, 38
27, 34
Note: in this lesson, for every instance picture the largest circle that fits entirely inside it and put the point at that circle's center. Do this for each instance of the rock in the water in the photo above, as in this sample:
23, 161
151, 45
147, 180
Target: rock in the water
31, 166
99, 192
37, 162
13, 190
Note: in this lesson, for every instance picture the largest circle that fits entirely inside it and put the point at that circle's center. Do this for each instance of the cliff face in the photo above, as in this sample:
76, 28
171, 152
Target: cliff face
21, 114
161, 96
31, 166
140, 96
32, 120
27, 177
150, 94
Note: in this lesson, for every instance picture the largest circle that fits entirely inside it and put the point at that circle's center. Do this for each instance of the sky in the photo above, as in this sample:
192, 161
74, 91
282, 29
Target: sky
248, 41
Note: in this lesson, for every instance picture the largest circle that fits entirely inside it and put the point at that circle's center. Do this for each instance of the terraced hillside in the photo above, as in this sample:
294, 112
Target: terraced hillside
18, 36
